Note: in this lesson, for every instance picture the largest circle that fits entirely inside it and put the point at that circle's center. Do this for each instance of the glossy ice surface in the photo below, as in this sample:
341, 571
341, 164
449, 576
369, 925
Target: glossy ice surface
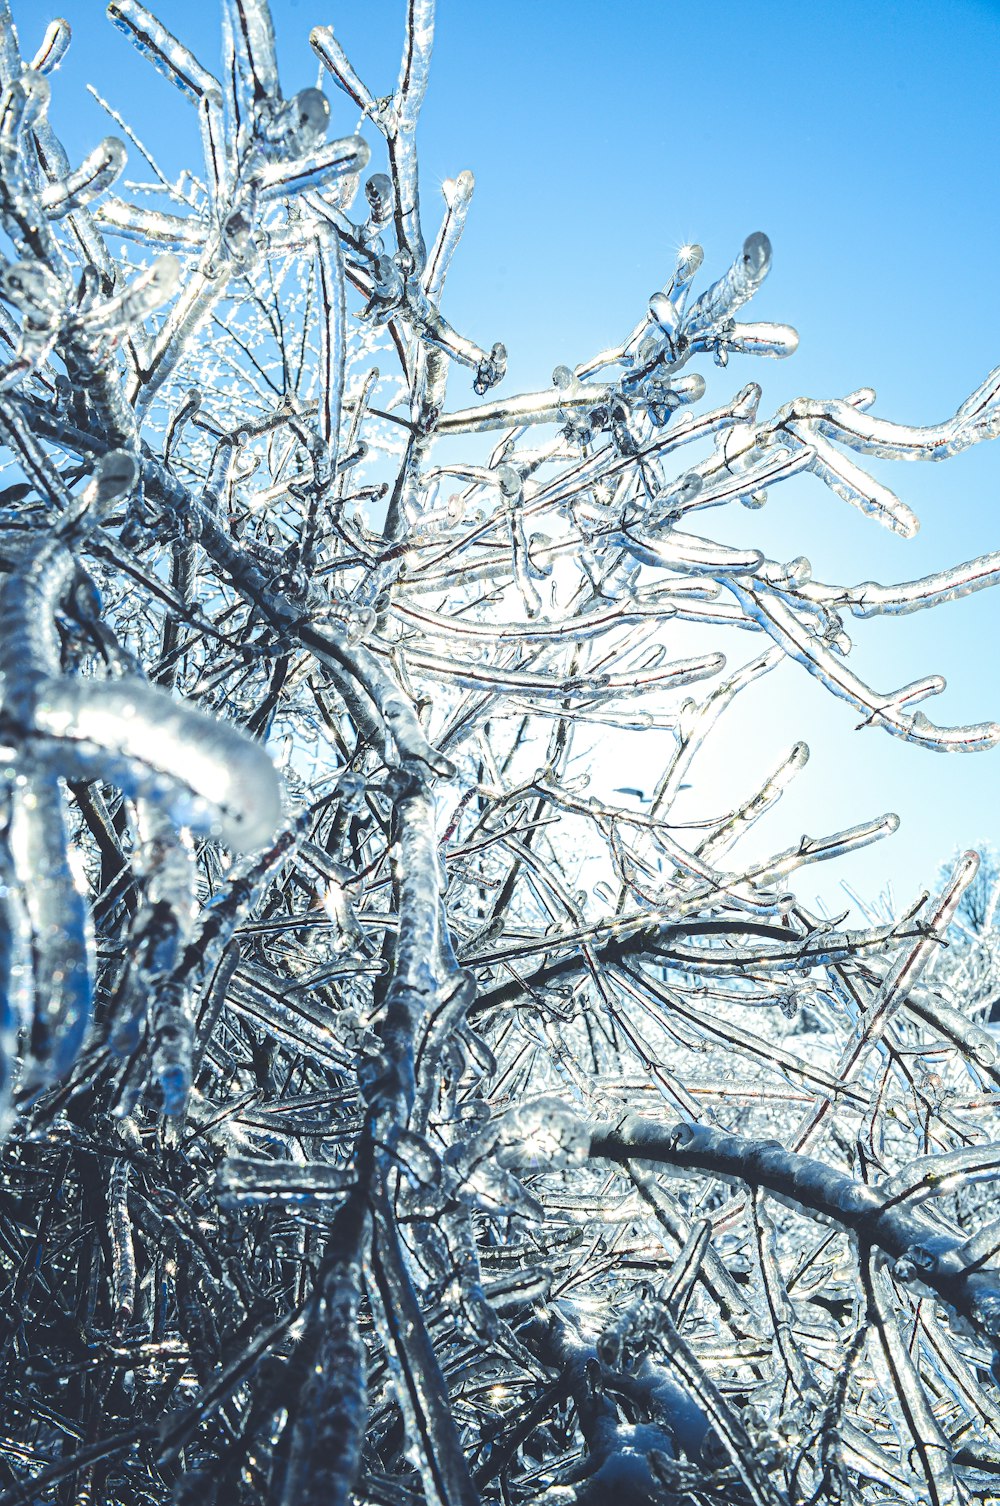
386, 1114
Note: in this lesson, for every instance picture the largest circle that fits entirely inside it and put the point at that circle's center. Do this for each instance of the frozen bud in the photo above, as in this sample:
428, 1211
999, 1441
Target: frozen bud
378, 192
238, 232
649, 349
689, 388
88, 603
682, 1137
473, 1113
457, 189
351, 790
88, 287
915, 1264
387, 282
610, 1346
988, 1316
361, 621
352, 1032
757, 255
508, 480
689, 260
491, 369
983, 1051
684, 489
312, 115
346, 932
115, 476
542, 1136
665, 313
745, 406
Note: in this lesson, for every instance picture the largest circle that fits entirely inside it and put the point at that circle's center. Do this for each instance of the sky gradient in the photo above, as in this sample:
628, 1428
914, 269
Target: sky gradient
859, 137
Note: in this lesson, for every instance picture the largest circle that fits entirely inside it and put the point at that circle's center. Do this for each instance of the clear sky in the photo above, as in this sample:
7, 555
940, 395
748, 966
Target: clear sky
861, 137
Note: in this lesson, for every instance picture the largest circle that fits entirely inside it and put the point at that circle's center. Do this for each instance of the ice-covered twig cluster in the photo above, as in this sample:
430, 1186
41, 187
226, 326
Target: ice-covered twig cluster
388, 1115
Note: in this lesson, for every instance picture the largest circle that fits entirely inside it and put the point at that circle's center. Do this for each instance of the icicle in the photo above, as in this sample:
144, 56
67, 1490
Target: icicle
15, 973
401, 138
23, 103
333, 347
123, 1269
679, 1285
779, 340
157, 989
799, 643
151, 226
146, 293
933, 1176
849, 482
63, 984
182, 68
730, 1431
778, 1300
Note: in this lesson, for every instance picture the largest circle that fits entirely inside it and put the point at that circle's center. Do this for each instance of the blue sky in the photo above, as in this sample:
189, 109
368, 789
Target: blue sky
860, 137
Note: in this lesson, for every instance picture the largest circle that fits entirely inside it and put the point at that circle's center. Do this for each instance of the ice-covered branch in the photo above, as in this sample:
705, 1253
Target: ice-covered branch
920, 1250
334, 904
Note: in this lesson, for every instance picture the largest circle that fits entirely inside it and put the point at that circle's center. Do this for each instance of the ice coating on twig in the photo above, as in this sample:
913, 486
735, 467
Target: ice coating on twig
345, 1027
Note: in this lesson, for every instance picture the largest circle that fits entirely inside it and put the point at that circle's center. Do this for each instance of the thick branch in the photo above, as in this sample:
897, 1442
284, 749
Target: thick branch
922, 1252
